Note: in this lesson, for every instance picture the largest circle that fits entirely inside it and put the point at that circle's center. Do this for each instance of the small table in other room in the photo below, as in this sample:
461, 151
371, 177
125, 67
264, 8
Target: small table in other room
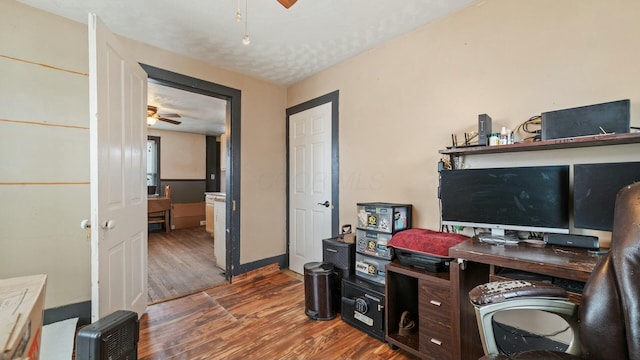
158, 211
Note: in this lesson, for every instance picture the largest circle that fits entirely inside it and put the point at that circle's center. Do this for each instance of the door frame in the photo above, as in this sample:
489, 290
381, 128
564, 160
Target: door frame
333, 98
233, 96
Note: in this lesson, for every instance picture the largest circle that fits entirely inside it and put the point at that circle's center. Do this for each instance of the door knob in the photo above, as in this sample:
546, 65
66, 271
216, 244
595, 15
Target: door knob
85, 224
108, 225
325, 204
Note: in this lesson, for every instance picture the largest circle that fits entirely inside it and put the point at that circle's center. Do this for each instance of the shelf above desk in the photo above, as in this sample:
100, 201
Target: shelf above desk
565, 143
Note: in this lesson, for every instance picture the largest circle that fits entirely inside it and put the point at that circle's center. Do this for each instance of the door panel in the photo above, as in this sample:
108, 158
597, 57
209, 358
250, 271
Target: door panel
310, 174
118, 93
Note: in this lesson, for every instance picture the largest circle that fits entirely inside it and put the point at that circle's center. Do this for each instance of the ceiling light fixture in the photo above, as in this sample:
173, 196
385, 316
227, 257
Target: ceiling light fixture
238, 13
151, 121
246, 40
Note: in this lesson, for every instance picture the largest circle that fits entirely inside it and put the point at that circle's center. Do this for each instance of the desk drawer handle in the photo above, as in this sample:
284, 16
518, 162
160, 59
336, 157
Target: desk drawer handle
436, 303
436, 341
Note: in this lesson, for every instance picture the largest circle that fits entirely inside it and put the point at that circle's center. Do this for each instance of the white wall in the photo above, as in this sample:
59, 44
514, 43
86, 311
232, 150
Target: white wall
400, 102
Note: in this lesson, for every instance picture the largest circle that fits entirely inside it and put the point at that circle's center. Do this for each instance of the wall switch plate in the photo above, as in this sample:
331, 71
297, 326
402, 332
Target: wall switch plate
203, 222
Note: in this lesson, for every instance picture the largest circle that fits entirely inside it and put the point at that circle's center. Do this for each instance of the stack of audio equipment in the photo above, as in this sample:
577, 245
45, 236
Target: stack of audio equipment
363, 295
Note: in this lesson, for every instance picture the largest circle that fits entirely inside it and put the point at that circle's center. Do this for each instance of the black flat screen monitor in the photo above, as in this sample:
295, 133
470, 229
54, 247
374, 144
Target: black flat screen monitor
532, 198
595, 187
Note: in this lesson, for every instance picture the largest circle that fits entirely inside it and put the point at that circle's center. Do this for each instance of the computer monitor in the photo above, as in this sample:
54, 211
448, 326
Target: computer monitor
595, 187
534, 199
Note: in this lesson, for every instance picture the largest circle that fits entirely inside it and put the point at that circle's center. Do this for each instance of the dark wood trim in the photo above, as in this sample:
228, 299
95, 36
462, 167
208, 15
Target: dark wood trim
281, 260
234, 98
333, 98
81, 310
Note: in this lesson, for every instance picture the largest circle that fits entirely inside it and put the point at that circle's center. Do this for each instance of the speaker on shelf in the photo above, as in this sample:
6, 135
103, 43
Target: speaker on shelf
484, 129
579, 241
606, 118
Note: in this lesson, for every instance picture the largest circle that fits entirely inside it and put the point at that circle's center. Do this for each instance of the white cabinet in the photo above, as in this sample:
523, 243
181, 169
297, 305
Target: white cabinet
209, 218
219, 231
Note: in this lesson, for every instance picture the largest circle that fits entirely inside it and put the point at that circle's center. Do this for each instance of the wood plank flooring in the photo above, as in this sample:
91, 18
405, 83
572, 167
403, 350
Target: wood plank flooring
260, 318
180, 263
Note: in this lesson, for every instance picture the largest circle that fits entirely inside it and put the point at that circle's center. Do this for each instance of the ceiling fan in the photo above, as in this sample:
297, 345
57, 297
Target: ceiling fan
287, 3
152, 113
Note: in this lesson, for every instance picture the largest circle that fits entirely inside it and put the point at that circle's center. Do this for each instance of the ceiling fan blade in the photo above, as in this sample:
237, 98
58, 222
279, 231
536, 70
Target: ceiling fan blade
170, 115
151, 110
287, 3
170, 121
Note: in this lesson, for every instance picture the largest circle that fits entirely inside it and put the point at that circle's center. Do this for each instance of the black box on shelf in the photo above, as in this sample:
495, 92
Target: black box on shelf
373, 243
606, 118
339, 253
342, 256
484, 129
384, 217
363, 306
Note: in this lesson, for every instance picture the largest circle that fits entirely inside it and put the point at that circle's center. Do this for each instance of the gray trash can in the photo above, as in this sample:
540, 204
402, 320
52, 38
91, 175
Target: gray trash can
318, 285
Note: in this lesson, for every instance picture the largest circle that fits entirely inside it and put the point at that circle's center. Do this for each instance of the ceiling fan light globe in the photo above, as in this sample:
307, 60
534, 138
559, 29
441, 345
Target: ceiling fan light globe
246, 40
151, 121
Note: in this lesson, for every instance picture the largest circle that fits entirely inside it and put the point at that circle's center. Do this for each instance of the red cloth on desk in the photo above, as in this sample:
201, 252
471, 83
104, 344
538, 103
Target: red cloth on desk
426, 241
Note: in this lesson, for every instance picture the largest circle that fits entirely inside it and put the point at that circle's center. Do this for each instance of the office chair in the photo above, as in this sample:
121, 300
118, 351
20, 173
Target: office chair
606, 324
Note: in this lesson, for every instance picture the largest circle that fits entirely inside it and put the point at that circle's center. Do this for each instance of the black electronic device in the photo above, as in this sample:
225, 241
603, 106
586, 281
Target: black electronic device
342, 256
534, 198
484, 129
606, 118
363, 306
572, 240
595, 187
423, 261
114, 337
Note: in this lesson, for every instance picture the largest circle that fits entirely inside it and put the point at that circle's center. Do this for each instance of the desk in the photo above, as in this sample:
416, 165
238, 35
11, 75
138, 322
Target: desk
479, 262
158, 211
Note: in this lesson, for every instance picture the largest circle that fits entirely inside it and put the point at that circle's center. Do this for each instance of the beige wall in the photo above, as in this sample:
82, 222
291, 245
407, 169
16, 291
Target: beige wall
39, 221
263, 149
44, 151
400, 102
183, 155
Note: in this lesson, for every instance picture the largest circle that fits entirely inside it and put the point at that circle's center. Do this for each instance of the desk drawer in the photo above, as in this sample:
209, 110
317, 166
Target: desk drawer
436, 341
435, 303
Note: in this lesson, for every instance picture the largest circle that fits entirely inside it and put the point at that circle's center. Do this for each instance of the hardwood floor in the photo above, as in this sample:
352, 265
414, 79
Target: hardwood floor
180, 263
259, 318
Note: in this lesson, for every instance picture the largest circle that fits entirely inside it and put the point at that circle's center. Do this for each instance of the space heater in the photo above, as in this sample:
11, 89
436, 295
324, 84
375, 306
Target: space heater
114, 337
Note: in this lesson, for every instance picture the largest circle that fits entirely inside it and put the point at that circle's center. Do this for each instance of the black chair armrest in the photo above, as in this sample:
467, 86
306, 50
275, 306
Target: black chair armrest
499, 291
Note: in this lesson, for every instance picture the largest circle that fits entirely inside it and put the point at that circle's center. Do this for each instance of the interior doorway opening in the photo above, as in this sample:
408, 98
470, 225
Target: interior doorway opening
191, 240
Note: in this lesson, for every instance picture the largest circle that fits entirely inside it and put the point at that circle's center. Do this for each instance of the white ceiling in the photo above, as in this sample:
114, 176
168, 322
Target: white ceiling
287, 45
199, 114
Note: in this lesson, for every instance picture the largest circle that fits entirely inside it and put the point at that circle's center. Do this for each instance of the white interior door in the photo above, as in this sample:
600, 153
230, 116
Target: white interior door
310, 190
118, 97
